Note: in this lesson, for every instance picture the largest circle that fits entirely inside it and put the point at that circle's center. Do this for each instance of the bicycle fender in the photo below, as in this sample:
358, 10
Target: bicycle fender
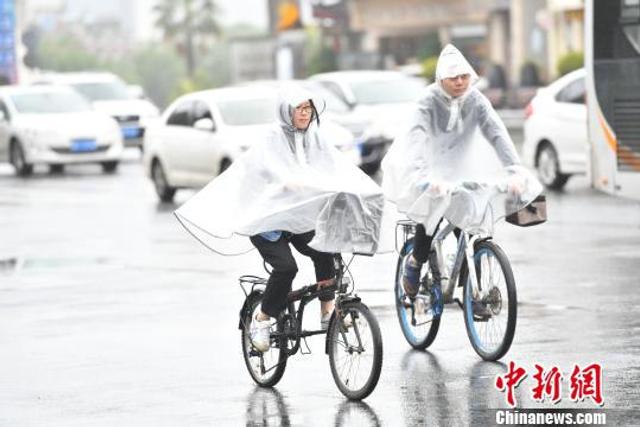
482, 240
244, 311
346, 301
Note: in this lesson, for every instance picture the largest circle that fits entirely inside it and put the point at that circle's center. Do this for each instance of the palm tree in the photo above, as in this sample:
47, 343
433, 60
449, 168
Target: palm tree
187, 23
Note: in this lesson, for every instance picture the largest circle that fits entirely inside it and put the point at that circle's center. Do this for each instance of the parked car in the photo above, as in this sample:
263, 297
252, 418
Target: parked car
54, 125
202, 133
382, 99
336, 111
555, 130
109, 94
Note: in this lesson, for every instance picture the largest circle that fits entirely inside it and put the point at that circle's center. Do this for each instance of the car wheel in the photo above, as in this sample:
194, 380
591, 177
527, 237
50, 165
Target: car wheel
56, 168
17, 159
109, 167
163, 189
548, 167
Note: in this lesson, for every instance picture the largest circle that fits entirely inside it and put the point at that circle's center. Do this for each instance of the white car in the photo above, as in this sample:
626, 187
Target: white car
202, 133
383, 99
110, 95
54, 125
555, 130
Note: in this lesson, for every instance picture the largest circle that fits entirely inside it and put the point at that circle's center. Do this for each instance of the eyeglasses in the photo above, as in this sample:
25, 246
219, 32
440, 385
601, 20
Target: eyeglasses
464, 77
304, 109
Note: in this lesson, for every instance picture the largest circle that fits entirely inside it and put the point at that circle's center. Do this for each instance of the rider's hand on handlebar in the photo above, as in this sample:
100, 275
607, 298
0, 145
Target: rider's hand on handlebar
515, 185
438, 188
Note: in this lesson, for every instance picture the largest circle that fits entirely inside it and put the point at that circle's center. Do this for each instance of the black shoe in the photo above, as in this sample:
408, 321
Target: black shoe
480, 310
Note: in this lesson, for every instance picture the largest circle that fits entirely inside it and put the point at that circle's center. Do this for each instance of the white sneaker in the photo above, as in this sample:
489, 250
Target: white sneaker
260, 334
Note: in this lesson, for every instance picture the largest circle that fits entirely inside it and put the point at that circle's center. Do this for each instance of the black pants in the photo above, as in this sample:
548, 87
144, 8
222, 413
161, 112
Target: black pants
422, 242
278, 255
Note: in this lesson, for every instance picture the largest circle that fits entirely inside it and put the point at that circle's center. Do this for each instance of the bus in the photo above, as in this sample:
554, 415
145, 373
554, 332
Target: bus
612, 61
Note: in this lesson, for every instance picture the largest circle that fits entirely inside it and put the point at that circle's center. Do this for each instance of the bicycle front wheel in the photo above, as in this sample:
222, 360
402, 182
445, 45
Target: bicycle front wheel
491, 316
415, 315
266, 368
355, 350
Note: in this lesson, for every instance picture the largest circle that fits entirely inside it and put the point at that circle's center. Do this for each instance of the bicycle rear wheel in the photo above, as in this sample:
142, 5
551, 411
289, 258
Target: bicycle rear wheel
266, 368
355, 351
415, 315
490, 319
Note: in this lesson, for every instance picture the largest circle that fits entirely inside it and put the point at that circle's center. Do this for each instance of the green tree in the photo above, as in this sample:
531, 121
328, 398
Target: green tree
569, 62
320, 58
160, 86
429, 68
63, 52
189, 25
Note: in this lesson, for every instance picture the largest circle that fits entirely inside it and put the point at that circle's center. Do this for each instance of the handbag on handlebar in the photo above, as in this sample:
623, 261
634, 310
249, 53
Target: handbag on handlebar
533, 214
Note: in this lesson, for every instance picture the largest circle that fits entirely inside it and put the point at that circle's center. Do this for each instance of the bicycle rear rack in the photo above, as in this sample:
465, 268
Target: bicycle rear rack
252, 280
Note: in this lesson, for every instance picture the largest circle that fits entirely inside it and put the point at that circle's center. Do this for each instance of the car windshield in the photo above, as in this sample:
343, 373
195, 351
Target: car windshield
50, 102
103, 91
247, 112
387, 91
334, 104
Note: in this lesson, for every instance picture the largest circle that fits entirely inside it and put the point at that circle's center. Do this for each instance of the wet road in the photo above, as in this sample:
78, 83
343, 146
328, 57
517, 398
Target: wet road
110, 314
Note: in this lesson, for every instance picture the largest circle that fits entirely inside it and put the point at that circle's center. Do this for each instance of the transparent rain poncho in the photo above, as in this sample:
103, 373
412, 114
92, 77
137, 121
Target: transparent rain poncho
288, 183
455, 159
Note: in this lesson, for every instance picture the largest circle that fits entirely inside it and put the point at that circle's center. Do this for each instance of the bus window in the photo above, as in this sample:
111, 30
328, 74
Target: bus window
616, 27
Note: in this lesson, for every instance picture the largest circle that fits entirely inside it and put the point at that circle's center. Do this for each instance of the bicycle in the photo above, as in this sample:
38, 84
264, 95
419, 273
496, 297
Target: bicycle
489, 302
353, 340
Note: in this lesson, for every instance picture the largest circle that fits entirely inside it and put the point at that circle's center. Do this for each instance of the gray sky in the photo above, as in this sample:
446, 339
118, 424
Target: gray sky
253, 12
250, 11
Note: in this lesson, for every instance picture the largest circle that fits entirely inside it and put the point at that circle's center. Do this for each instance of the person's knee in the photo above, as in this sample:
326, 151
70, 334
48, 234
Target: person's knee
286, 269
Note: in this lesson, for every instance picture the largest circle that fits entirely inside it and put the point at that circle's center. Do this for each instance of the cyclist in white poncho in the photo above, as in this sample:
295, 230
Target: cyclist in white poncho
455, 160
292, 187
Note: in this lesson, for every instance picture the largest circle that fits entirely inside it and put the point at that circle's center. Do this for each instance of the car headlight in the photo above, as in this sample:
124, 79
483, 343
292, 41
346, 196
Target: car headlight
147, 119
40, 137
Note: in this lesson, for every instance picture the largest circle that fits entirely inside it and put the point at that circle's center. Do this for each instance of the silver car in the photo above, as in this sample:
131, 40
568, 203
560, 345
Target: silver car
378, 101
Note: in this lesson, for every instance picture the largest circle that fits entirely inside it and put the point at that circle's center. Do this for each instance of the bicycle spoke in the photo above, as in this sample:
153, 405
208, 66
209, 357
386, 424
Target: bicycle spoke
353, 358
492, 331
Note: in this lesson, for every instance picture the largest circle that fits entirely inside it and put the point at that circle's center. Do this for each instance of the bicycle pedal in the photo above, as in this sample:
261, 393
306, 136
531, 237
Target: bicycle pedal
477, 318
407, 304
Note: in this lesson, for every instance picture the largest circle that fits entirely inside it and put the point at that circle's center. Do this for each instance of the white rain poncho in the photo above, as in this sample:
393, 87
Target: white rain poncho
288, 183
455, 159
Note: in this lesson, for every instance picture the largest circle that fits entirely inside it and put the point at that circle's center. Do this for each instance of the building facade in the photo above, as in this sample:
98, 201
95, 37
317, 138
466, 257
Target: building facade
509, 33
